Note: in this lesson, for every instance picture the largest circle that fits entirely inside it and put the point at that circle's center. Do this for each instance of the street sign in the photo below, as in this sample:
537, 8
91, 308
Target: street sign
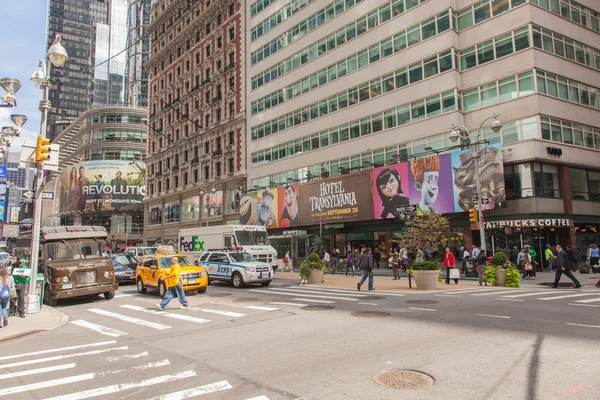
27, 200
406, 213
28, 194
48, 195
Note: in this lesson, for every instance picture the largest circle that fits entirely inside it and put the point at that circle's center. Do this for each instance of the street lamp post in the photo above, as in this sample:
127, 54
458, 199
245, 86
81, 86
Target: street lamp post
203, 193
57, 55
461, 132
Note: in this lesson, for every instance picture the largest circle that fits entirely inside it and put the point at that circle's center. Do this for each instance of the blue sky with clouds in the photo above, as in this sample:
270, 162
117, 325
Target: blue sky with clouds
22, 44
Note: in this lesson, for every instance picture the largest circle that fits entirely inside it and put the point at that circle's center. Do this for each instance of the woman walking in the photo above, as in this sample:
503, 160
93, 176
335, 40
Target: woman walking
481, 264
529, 268
395, 261
420, 257
593, 257
449, 263
6, 289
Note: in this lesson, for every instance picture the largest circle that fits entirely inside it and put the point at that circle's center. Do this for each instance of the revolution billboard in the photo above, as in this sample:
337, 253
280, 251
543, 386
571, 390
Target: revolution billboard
102, 185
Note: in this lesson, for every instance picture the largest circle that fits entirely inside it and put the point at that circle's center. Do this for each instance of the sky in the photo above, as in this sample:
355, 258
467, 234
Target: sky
22, 44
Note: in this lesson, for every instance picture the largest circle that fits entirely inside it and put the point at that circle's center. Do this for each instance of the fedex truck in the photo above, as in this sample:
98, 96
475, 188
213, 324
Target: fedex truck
252, 239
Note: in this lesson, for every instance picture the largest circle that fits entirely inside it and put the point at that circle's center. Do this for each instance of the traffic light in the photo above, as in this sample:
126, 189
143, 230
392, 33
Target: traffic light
42, 149
473, 215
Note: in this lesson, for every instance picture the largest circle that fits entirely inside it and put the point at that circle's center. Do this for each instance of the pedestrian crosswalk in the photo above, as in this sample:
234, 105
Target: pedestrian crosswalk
526, 294
87, 374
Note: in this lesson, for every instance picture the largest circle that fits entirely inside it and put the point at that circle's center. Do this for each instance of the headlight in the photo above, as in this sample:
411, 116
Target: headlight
202, 274
251, 269
108, 274
65, 279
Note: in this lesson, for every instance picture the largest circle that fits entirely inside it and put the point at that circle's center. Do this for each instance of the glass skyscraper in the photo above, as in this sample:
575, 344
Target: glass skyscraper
137, 75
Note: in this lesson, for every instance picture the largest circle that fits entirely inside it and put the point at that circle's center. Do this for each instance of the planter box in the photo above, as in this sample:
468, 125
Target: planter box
315, 277
501, 276
426, 280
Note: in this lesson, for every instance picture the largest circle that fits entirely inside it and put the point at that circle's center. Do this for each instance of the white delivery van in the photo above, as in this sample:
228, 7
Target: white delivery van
252, 239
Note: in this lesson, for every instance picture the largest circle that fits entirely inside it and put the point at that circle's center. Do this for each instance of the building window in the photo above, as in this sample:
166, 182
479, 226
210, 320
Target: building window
159, 187
231, 9
232, 83
517, 179
218, 142
195, 176
207, 29
207, 120
207, 97
219, 19
232, 33
185, 179
206, 172
231, 108
231, 165
167, 184
218, 114
579, 183
545, 178
207, 73
151, 189
231, 138
175, 182
219, 42
231, 58
206, 147
218, 169
207, 50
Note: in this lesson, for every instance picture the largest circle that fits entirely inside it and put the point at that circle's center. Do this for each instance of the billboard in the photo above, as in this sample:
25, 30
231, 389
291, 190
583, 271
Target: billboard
1, 211
272, 208
102, 185
2, 171
190, 208
212, 203
439, 184
14, 215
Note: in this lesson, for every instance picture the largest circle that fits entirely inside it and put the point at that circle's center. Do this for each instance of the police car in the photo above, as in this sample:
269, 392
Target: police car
237, 267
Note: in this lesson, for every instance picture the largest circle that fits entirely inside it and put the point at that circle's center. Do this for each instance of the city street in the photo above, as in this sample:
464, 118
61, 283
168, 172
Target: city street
262, 343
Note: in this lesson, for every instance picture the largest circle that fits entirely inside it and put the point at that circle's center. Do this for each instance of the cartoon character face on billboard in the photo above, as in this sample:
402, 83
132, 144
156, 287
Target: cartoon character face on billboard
426, 173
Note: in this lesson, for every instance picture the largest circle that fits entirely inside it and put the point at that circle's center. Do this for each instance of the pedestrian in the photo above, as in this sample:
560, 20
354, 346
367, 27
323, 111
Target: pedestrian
449, 263
287, 261
564, 267
593, 257
481, 264
366, 269
326, 259
475, 252
349, 261
395, 261
420, 257
529, 268
6, 291
173, 285
550, 257
521, 261
404, 255
21, 275
376, 257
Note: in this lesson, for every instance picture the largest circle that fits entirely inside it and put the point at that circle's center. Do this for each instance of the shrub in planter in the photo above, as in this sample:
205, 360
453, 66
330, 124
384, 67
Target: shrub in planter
426, 274
500, 259
489, 275
425, 266
313, 261
513, 277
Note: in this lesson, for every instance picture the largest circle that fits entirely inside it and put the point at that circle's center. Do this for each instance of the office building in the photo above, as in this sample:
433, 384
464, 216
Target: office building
138, 50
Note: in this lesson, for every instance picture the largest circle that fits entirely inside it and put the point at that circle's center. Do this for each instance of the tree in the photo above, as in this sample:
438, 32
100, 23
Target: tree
423, 231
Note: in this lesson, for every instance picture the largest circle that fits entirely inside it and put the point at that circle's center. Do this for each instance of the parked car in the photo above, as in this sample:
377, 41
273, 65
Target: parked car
125, 266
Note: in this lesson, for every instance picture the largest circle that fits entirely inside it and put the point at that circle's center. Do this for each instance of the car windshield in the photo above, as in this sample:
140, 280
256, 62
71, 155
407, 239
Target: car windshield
261, 238
165, 262
149, 250
72, 250
244, 238
242, 257
124, 260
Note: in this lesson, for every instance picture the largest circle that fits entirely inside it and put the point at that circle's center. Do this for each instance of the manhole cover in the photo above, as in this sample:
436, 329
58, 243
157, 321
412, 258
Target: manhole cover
317, 308
244, 300
372, 298
370, 314
220, 294
404, 379
422, 302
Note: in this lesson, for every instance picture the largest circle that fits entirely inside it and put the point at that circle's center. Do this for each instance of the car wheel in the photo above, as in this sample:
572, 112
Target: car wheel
265, 283
162, 289
48, 299
237, 281
109, 295
202, 290
140, 286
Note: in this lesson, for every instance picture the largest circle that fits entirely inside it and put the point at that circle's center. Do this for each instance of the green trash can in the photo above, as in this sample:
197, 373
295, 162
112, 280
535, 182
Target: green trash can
39, 287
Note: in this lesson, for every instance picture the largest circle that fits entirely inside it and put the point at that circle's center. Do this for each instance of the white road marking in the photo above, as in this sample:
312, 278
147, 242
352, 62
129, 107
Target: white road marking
194, 392
500, 298
124, 386
259, 398
421, 309
470, 291
583, 305
45, 384
535, 294
142, 367
98, 328
219, 312
492, 293
61, 349
367, 304
133, 320
584, 325
315, 301
263, 308
595, 300
447, 295
123, 295
294, 291
37, 371
282, 303
275, 291
333, 289
568, 296
61, 357
493, 316
126, 356
167, 314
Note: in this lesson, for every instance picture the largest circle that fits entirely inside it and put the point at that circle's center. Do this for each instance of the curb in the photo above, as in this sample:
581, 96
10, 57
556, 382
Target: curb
64, 319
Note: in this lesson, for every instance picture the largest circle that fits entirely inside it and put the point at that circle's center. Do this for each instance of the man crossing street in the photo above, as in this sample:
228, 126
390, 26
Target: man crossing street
174, 286
564, 267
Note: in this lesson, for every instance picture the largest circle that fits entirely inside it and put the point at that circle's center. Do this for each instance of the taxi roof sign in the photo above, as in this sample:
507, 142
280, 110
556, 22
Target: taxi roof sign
165, 250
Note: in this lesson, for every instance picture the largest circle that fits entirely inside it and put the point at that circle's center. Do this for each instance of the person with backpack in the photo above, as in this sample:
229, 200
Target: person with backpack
593, 257
349, 261
6, 290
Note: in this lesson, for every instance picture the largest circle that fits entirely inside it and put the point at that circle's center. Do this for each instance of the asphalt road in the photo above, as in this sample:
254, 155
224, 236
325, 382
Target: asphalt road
259, 343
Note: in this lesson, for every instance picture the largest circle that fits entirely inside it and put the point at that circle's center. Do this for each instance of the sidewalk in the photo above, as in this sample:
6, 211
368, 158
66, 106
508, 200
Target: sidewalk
46, 320
544, 279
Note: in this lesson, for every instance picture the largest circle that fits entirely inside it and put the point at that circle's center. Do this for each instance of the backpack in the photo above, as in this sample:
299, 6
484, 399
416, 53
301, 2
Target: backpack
5, 291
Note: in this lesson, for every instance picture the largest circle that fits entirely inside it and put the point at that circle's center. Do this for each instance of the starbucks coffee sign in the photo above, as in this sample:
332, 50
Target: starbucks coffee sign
530, 223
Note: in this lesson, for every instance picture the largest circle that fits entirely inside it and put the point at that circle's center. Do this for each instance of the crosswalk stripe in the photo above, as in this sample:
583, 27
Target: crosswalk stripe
61, 349
282, 303
535, 294
142, 367
259, 398
133, 320
38, 371
275, 291
470, 291
495, 293
126, 356
567, 296
584, 325
194, 392
367, 304
61, 357
123, 295
124, 386
333, 289
219, 312
167, 314
584, 305
354, 294
98, 328
263, 308
594, 300
45, 384
316, 301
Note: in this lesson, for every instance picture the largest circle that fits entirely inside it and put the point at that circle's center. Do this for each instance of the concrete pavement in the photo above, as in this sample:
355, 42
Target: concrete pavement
48, 319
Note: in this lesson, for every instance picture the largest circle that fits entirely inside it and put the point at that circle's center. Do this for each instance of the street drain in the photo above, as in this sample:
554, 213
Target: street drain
244, 300
317, 308
404, 379
422, 302
370, 314
372, 298
220, 294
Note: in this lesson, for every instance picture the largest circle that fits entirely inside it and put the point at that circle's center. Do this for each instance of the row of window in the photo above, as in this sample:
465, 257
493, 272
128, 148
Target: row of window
258, 6
564, 47
511, 132
278, 17
117, 119
343, 35
361, 59
114, 136
114, 154
416, 72
484, 10
571, 10
570, 133
567, 89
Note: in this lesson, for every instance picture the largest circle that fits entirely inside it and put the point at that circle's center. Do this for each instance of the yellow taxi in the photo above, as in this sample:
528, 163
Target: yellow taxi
153, 267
